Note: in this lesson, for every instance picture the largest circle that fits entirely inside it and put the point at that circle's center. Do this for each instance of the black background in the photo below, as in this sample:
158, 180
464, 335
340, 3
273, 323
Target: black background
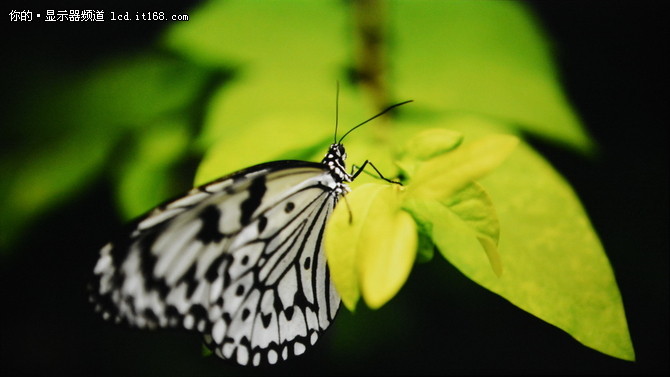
611, 57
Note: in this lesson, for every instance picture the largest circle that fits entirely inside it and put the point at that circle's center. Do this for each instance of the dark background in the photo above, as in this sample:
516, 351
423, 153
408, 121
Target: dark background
612, 61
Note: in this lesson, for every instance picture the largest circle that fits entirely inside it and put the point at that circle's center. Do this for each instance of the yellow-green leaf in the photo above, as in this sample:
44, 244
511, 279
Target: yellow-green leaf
444, 175
341, 241
426, 145
482, 57
386, 248
475, 208
555, 265
453, 235
370, 245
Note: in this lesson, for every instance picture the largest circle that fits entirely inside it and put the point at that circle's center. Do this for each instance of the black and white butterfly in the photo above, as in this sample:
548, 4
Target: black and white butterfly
239, 260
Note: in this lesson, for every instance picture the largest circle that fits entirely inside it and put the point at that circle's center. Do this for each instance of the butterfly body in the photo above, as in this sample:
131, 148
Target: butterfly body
239, 260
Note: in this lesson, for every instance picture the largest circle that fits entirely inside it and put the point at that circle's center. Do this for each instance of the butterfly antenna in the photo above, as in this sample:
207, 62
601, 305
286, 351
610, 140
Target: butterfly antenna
337, 110
378, 115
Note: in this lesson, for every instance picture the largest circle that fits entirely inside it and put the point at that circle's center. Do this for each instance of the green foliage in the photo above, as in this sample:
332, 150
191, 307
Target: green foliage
372, 248
377, 254
479, 72
483, 57
81, 123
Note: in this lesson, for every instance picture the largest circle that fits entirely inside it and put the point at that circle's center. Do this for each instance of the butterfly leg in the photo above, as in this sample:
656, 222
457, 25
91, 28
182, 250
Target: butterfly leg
360, 169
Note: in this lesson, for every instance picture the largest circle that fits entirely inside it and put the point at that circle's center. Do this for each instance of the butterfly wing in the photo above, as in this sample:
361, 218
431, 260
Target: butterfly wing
240, 260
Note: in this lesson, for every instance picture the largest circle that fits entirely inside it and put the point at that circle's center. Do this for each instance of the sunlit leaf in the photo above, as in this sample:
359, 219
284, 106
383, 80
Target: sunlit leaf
555, 265
269, 139
426, 145
475, 208
341, 241
283, 97
444, 175
386, 248
464, 223
483, 57
227, 33
371, 245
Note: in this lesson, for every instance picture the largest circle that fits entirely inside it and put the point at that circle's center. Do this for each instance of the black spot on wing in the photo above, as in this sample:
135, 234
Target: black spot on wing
210, 232
198, 312
262, 223
172, 312
249, 205
148, 262
213, 270
240, 290
226, 318
265, 319
150, 316
289, 207
190, 280
289, 312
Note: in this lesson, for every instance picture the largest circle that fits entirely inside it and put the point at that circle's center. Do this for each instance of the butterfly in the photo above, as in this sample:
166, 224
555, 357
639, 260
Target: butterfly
239, 260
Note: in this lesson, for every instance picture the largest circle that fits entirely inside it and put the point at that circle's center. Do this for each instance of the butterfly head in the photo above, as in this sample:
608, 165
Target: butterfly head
334, 159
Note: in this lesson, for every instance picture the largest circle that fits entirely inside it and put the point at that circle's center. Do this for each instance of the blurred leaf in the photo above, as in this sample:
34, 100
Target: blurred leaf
483, 57
425, 246
225, 33
120, 92
146, 178
270, 139
284, 95
47, 177
71, 125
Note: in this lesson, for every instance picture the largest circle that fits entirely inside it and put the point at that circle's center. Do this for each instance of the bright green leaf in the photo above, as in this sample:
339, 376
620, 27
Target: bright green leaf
426, 145
475, 208
274, 137
431, 143
370, 245
555, 265
297, 36
341, 241
386, 247
557, 268
483, 57
444, 175
450, 233
283, 97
